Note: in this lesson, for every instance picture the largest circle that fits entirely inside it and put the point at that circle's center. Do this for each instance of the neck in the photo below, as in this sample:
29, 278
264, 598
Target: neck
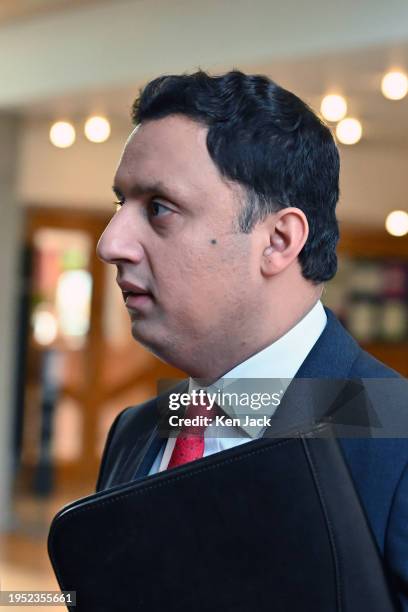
217, 363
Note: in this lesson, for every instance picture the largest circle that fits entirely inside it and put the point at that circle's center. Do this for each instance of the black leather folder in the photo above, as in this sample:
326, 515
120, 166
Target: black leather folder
273, 525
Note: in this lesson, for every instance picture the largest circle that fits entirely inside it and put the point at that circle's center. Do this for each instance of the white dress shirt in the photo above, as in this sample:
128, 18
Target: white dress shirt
279, 361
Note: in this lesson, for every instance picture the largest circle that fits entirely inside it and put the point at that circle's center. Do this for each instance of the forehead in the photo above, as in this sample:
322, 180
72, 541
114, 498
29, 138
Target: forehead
171, 151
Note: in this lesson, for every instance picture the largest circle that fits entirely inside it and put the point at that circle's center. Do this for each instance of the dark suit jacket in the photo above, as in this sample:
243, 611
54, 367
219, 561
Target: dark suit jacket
378, 466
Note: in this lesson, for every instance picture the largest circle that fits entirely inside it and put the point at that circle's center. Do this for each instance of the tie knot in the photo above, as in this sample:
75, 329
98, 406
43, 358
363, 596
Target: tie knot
201, 412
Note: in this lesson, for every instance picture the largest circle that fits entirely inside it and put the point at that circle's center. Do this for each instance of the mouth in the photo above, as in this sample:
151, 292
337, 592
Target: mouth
135, 296
137, 300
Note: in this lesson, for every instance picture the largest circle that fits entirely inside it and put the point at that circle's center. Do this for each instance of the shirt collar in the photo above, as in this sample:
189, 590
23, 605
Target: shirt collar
280, 361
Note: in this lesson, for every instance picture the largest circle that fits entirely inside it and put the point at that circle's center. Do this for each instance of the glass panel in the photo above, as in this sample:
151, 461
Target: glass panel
60, 318
115, 317
66, 443
62, 287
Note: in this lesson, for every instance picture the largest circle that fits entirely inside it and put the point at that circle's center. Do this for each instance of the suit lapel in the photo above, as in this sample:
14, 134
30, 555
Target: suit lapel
153, 441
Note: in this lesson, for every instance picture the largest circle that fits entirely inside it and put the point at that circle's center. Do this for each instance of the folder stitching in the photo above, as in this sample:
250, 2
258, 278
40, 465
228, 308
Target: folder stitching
330, 530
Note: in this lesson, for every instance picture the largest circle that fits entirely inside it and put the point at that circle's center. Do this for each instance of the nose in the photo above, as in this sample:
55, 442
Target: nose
119, 241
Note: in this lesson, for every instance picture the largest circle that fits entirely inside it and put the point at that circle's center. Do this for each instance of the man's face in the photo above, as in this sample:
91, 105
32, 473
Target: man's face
176, 236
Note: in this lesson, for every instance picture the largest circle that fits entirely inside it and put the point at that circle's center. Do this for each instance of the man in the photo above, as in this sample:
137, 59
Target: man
224, 235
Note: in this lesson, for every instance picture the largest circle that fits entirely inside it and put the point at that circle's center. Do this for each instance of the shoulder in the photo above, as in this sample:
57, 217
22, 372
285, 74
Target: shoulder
377, 463
128, 435
396, 543
367, 366
123, 433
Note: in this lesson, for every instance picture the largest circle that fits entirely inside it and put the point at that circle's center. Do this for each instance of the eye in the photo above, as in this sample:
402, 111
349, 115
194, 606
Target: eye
157, 209
118, 203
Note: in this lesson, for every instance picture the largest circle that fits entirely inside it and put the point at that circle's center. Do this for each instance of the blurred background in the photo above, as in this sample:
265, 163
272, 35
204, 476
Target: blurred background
69, 72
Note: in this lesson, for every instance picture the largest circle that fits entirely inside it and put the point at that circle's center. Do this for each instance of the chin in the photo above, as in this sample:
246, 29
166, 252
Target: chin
145, 339
163, 349
148, 340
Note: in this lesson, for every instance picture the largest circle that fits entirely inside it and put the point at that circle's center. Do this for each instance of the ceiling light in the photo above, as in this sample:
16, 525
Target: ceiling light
333, 107
62, 134
97, 129
396, 223
349, 131
394, 85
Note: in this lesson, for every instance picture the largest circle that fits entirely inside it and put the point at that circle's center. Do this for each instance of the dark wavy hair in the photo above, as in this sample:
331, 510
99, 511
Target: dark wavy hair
269, 141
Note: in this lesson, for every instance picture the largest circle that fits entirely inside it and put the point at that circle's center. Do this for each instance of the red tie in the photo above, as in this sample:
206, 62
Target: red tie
190, 441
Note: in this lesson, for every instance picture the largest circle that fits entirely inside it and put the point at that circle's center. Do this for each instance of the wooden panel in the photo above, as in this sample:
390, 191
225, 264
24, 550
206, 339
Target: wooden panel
363, 242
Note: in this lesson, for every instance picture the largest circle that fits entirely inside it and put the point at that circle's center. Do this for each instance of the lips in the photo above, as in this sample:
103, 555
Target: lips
138, 301
132, 290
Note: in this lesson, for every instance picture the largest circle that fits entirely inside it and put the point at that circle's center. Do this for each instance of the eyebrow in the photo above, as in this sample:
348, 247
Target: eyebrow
142, 189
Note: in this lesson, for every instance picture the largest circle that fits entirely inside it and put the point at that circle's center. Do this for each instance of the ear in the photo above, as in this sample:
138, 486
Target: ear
287, 231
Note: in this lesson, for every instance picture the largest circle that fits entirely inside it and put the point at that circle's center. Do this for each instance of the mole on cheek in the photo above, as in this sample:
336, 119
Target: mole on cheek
213, 241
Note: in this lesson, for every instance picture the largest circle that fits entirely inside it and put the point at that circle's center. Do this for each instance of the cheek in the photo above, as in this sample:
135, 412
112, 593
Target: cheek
194, 280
